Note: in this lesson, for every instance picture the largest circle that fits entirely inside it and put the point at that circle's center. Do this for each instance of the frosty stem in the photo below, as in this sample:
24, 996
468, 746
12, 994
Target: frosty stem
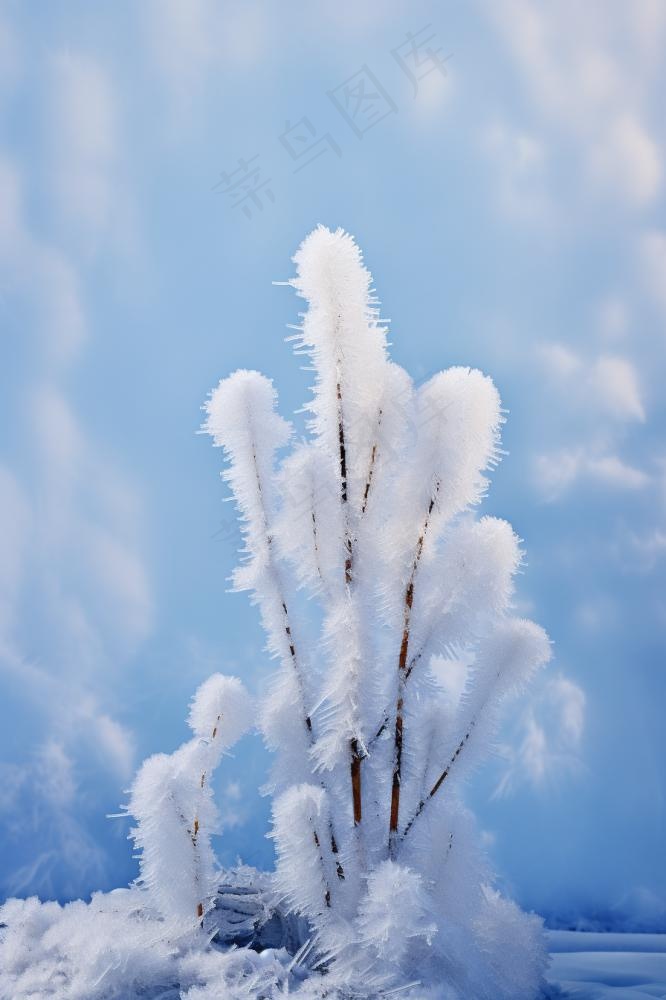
195, 827
403, 674
440, 780
354, 749
283, 603
371, 467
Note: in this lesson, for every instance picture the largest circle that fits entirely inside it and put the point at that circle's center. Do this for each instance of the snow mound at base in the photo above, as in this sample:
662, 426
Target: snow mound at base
113, 947
117, 948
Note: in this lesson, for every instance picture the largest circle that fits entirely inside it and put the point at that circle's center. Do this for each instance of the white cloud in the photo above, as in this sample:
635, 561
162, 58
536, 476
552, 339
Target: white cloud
612, 471
596, 613
613, 317
39, 275
435, 94
15, 519
79, 553
83, 136
558, 360
652, 264
647, 20
640, 551
606, 387
54, 774
41, 803
180, 39
232, 810
555, 472
590, 70
517, 162
125, 591
571, 701
57, 434
187, 39
59, 305
10, 204
626, 159
487, 839
70, 860
74, 551
11, 59
12, 780
546, 741
615, 384
116, 743
87, 537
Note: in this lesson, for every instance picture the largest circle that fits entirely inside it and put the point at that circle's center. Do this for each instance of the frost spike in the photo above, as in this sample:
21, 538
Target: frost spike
242, 405
298, 815
402, 679
172, 803
505, 662
458, 418
342, 333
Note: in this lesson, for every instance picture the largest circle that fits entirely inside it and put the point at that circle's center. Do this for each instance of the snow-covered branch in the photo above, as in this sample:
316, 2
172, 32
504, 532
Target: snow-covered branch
504, 664
172, 801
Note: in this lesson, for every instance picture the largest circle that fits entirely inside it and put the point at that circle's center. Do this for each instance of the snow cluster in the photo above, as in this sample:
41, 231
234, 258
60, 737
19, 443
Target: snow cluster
376, 586
118, 948
172, 801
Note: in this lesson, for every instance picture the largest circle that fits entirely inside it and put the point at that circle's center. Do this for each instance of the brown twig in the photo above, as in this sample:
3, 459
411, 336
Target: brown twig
440, 780
402, 677
194, 832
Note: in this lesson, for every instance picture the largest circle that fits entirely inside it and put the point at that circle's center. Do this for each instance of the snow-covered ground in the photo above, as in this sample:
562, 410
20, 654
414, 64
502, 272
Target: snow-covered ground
108, 950
590, 966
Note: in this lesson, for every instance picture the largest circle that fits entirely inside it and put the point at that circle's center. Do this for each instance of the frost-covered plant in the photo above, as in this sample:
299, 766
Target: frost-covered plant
377, 588
172, 802
371, 518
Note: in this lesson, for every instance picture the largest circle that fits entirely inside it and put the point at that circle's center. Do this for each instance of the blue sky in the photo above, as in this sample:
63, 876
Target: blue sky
512, 212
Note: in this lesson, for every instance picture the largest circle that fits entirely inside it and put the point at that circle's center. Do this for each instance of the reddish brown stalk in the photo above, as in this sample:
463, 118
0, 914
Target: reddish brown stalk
402, 677
194, 832
194, 835
383, 726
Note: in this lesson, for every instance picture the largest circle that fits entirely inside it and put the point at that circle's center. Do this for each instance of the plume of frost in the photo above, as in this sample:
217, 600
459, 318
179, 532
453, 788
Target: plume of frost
504, 664
346, 341
242, 419
220, 713
395, 912
172, 802
305, 869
